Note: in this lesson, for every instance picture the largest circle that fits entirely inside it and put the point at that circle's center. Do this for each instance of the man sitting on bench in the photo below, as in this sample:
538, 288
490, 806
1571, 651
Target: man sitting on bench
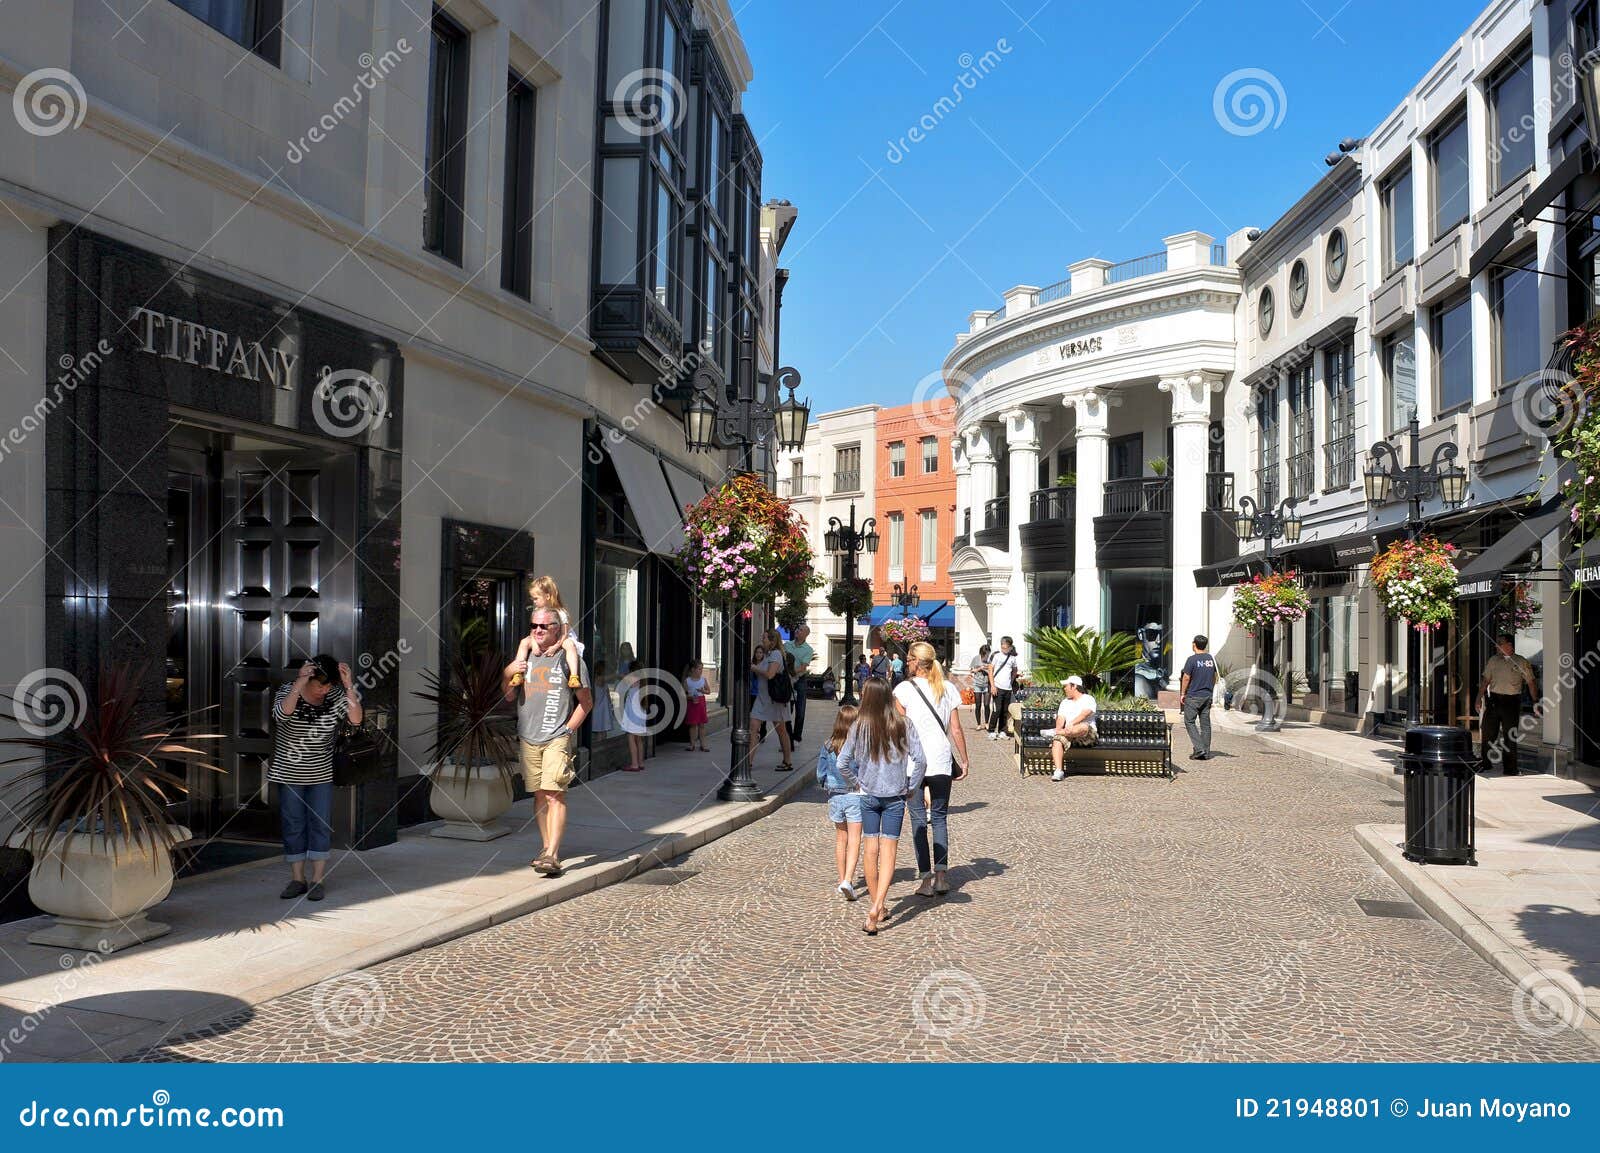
1074, 723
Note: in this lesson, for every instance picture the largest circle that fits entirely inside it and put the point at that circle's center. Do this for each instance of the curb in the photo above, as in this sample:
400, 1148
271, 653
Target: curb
1451, 914
613, 872
1394, 780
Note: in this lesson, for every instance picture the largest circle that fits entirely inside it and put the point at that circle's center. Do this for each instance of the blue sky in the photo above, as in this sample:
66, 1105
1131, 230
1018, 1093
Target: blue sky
1090, 131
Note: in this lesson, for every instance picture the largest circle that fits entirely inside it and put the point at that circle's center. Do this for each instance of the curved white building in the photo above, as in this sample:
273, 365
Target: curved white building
1091, 448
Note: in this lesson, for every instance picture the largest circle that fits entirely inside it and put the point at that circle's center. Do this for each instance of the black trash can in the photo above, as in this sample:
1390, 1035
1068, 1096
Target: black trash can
1440, 799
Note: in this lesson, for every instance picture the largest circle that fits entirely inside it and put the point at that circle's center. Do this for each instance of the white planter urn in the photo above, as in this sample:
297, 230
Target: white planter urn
470, 802
98, 889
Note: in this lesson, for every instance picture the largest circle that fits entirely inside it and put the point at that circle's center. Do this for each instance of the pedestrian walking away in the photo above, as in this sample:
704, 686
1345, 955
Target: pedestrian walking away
550, 711
1196, 686
1075, 724
980, 687
308, 713
1500, 701
774, 691
930, 703
803, 655
844, 804
882, 757
1002, 681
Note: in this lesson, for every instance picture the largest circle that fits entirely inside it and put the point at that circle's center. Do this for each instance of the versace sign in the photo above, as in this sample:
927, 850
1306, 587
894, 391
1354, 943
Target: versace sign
1081, 347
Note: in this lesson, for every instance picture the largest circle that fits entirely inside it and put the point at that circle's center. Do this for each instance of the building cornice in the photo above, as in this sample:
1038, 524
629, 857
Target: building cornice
1339, 186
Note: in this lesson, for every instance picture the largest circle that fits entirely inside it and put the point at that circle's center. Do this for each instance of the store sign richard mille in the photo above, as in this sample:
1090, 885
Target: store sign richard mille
174, 338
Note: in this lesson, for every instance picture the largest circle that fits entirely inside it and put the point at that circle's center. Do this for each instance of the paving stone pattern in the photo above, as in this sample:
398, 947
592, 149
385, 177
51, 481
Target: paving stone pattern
1212, 918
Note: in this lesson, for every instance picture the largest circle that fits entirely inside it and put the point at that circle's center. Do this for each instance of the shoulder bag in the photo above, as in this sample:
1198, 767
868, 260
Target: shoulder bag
943, 729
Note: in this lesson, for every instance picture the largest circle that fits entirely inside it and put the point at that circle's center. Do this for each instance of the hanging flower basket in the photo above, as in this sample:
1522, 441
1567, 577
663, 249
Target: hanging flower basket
1416, 582
791, 614
1273, 599
1517, 610
905, 631
851, 598
743, 546
1571, 411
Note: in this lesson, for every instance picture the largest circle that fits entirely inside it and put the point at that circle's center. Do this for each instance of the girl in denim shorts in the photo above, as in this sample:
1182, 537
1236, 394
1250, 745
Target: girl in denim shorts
882, 755
844, 804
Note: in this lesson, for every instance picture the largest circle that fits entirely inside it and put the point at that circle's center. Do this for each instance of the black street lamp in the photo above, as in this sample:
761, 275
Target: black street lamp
849, 541
1387, 479
1266, 524
906, 598
713, 419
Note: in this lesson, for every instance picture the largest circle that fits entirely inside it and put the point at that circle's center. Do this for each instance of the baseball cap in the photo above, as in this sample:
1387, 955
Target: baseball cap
1074, 679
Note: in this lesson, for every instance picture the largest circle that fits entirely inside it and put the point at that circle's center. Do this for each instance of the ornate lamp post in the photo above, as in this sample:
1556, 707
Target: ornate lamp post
1387, 479
906, 598
713, 419
849, 541
1254, 522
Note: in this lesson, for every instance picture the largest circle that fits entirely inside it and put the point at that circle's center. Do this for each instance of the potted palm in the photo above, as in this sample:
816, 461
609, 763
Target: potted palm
95, 810
472, 747
1084, 652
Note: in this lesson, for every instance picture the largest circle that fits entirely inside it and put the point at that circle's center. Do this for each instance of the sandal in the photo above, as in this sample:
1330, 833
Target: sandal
546, 864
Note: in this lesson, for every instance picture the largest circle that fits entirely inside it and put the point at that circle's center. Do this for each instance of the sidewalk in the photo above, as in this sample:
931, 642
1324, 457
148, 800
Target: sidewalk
235, 944
1531, 907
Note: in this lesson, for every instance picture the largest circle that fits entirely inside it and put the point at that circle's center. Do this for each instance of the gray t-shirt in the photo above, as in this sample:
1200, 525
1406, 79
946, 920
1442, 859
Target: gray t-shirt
546, 701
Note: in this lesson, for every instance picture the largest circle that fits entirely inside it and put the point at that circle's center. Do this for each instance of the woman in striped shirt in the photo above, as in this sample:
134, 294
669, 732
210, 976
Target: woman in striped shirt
309, 712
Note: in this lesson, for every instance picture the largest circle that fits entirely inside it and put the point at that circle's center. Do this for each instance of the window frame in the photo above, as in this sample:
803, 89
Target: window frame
1451, 124
1436, 323
1335, 280
1269, 442
928, 537
1526, 262
897, 459
1296, 307
1266, 311
930, 460
517, 193
1302, 430
1387, 350
264, 20
1401, 175
1339, 396
445, 172
840, 454
895, 531
1520, 62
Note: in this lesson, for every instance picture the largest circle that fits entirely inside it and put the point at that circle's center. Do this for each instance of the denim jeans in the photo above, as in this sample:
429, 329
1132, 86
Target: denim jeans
1197, 719
798, 725
881, 816
939, 805
305, 811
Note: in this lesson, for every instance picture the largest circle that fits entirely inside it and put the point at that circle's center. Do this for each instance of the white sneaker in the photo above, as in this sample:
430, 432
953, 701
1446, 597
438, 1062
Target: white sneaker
1058, 775
846, 891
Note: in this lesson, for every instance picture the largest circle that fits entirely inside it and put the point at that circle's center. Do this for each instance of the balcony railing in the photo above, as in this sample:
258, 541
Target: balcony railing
1219, 255
997, 513
1219, 491
1052, 504
847, 481
794, 487
1057, 291
1148, 494
1138, 266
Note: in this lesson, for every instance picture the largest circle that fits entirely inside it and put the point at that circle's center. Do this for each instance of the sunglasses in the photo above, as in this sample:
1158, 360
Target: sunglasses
543, 628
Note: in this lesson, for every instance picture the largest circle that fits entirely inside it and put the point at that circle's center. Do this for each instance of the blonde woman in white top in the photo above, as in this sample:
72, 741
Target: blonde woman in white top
929, 703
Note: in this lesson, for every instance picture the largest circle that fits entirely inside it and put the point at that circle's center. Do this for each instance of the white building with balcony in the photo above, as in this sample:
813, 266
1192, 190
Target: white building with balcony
1090, 451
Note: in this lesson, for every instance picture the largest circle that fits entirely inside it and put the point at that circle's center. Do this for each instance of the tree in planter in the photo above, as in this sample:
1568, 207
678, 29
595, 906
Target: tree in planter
471, 730
1082, 651
95, 811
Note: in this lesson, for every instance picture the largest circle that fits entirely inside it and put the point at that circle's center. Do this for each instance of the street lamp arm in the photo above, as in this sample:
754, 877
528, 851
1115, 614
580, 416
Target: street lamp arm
1385, 457
1443, 456
1249, 507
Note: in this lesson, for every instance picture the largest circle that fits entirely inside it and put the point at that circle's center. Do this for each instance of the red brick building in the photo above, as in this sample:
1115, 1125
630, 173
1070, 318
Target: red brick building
915, 501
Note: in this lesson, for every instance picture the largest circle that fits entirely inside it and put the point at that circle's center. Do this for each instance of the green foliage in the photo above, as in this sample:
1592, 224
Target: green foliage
1081, 651
791, 614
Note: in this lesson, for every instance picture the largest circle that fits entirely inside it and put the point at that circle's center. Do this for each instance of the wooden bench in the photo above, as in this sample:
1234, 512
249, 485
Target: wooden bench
1129, 743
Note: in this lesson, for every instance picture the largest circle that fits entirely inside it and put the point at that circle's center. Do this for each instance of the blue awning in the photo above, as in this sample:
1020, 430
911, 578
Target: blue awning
938, 614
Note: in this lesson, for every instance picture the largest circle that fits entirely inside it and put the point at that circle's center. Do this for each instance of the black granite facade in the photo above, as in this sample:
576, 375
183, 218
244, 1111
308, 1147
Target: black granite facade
106, 458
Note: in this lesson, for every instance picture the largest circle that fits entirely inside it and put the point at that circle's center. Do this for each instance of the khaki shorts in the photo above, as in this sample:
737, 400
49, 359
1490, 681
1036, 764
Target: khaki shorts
548, 768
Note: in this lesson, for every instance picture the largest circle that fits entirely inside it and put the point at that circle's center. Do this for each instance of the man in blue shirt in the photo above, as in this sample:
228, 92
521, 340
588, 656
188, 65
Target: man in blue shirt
1194, 694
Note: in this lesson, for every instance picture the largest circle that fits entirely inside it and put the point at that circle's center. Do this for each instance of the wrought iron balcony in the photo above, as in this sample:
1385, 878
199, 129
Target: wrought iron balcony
996, 529
1052, 504
797, 487
1049, 536
1219, 490
1136, 495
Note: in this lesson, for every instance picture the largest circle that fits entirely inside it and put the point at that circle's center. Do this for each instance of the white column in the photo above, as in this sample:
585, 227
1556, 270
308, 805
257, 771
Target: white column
1090, 436
980, 453
1022, 439
1191, 418
963, 470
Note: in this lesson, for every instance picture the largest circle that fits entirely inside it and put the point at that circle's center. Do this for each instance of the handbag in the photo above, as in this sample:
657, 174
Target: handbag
344, 764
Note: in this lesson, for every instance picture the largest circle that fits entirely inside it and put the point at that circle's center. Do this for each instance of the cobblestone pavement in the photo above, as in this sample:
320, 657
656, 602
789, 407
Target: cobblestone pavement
1211, 918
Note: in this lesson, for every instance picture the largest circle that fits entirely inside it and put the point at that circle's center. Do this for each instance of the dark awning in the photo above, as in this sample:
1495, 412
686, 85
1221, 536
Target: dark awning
1582, 567
1335, 554
1482, 575
1537, 200
1231, 572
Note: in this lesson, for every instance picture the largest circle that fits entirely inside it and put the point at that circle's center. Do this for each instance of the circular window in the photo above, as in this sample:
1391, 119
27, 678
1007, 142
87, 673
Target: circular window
1264, 310
1338, 253
1299, 285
